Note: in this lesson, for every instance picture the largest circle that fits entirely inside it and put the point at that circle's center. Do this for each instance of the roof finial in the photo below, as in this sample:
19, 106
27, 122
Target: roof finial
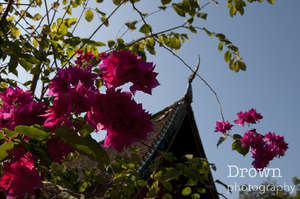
188, 97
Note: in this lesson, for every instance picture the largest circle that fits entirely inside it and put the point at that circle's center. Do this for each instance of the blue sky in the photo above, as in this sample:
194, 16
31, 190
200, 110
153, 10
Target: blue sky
268, 39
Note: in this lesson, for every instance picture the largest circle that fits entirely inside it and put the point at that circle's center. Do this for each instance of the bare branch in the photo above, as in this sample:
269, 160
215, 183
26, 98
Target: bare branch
24, 14
84, 8
17, 4
199, 76
153, 35
97, 29
47, 12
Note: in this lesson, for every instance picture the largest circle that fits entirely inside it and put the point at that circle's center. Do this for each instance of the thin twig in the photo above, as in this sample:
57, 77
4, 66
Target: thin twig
153, 35
55, 11
17, 4
141, 15
199, 76
84, 8
97, 29
24, 13
150, 14
209, 2
47, 12
30, 25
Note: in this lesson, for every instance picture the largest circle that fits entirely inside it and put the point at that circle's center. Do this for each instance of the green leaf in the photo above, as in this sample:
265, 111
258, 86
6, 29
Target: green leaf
165, 2
4, 148
232, 11
221, 140
83, 186
241, 65
100, 12
84, 145
37, 17
237, 145
271, 1
220, 46
146, 28
15, 32
208, 32
150, 43
192, 29
237, 136
221, 36
117, 2
196, 196
105, 21
202, 15
25, 64
166, 185
86, 130
12, 66
32, 132
111, 43
178, 9
174, 43
186, 191
131, 25
227, 56
89, 15
154, 189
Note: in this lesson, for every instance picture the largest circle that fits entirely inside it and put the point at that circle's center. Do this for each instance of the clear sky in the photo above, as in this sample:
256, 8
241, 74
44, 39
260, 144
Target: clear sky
268, 39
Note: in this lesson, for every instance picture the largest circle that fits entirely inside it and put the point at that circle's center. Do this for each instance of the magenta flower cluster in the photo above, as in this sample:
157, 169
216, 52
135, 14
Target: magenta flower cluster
250, 117
73, 93
124, 120
264, 148
114, 111
20, 176
121, 67
223, 127
19, 108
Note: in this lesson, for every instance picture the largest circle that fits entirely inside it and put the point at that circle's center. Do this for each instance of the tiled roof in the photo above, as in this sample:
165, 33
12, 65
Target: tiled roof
165, 124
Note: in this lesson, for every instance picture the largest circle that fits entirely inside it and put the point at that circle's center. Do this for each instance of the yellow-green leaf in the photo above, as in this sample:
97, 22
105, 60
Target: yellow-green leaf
37, 17
89, 15
10, 18
186, 191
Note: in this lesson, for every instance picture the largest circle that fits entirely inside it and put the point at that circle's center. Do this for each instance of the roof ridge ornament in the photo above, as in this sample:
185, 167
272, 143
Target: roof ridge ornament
188, 97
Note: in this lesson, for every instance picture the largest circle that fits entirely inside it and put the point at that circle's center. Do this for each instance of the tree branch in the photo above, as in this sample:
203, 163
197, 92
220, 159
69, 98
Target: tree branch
97, 29
199, 76
9, 5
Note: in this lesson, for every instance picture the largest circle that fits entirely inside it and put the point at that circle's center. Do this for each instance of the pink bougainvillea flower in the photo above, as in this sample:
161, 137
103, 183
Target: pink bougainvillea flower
69, 78
20, 177
264, 148
59, 113
277, 143
223, 126
124, 119
83, 57
58, 149
121, 67
71, 87
250, 117
19, 108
